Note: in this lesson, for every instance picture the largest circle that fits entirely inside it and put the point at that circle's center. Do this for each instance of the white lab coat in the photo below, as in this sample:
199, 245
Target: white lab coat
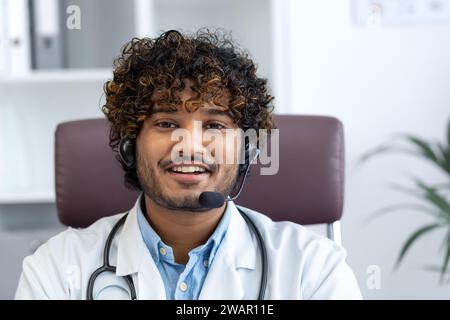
302, 264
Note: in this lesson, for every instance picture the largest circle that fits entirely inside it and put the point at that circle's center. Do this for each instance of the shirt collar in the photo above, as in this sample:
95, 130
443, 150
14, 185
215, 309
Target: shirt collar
132, 250
154, 243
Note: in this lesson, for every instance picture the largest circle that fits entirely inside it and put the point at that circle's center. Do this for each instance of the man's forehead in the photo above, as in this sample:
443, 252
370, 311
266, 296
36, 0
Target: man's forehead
202, 107
190, 95
191, 103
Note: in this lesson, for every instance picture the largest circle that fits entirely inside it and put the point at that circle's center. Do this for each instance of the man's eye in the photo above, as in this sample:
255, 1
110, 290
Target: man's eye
166, 124
215, 125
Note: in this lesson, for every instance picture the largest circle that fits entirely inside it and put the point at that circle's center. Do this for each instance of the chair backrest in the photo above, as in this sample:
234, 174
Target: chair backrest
307, 189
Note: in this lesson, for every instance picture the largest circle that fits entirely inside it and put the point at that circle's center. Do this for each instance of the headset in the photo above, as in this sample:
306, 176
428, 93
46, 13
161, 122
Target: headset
208, 199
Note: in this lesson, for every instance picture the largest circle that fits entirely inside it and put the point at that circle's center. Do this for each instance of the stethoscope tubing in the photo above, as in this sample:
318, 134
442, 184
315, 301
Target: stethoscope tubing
107, 267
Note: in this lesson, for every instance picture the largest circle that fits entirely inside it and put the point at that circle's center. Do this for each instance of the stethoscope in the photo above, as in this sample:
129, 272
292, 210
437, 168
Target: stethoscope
108, 267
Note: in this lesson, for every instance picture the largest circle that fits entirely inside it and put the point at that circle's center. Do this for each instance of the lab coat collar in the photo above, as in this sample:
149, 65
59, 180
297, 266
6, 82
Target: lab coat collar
131, 246
238, 250
135, 260
224, 279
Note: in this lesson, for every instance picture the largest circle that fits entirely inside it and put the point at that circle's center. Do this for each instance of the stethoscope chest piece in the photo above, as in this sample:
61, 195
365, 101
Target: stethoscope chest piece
108, 270
108, 286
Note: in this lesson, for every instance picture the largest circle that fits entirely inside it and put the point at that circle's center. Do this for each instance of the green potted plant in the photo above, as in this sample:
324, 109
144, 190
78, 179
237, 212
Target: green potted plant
430, 199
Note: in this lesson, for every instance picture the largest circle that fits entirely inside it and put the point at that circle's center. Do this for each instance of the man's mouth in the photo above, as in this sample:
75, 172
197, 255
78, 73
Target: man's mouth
189, 173
189, 169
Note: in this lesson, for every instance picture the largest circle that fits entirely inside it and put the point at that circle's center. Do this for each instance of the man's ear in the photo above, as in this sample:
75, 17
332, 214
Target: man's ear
127, 152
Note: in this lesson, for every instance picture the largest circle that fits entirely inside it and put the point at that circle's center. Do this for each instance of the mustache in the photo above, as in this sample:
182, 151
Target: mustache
212, 167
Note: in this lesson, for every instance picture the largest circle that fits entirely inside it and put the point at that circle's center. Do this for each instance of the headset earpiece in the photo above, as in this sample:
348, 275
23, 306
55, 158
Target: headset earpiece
253, 152
127, 152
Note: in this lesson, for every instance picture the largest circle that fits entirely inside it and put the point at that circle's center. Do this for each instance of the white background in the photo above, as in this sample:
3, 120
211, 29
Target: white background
377, 81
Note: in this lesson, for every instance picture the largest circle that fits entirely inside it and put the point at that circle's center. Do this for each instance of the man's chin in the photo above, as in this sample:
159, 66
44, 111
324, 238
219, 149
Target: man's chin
191, 205
182, 202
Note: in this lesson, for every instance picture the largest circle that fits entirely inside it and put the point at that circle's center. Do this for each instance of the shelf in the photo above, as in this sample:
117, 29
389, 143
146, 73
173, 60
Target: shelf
27, 197
58, 76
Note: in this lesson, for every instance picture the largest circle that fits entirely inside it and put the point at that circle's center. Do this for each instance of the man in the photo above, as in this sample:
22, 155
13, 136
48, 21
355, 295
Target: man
179, 241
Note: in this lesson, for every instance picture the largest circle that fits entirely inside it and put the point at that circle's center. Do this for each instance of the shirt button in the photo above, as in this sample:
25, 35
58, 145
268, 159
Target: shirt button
163, 251
205, 263
183, 286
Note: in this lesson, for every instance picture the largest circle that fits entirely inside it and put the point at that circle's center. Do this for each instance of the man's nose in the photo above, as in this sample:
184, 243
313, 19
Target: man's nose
197, 143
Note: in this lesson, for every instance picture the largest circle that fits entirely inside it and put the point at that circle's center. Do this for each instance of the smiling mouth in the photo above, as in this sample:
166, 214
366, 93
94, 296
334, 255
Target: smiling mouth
184, 169
189, 175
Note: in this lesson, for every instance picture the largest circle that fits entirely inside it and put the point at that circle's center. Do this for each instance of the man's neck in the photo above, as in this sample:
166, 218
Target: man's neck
182, 230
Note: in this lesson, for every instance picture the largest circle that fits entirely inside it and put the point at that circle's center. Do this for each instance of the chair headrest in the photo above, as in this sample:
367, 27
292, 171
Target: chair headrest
309, 185
307, 189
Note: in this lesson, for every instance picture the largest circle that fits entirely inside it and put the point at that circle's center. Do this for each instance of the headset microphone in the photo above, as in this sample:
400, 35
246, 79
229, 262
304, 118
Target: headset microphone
212, 199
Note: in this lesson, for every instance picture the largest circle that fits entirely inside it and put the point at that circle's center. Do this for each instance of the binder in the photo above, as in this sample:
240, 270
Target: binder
4, 54
18, 44
47, 42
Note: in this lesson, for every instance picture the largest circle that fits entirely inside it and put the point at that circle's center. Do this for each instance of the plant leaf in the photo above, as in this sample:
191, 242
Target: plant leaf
446, 259
434, 268
414, 236
434, 198
398, 207
440, 186
448, 135
380, 150
445, 158
437, 186
425, 149
405, 190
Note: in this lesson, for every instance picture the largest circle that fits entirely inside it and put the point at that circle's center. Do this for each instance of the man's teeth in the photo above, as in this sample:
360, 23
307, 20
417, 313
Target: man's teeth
188, 169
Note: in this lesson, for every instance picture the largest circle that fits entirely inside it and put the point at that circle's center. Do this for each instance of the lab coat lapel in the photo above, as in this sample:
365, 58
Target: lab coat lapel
232, 274
151, 285
134, 259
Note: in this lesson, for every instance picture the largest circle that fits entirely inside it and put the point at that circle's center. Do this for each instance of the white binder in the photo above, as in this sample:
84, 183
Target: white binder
18, 43
4, 54
47, 48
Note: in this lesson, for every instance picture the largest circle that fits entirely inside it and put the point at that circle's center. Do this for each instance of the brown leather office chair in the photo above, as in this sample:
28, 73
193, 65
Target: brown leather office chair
308, 188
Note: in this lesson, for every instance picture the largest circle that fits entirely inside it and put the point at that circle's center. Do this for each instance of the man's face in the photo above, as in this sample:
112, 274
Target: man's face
172, 184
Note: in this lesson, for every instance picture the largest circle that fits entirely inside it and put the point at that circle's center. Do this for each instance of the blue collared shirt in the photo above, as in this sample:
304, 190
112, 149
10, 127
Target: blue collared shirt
182, 282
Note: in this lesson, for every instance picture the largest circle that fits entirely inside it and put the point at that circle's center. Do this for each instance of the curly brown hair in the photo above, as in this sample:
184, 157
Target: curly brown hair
151, 71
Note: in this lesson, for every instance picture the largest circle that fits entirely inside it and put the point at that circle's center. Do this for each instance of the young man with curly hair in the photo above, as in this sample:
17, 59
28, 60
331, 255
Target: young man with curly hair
182, 240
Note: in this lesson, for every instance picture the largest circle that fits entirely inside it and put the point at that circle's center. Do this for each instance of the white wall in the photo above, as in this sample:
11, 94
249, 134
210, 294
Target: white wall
377, 82
249, 31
